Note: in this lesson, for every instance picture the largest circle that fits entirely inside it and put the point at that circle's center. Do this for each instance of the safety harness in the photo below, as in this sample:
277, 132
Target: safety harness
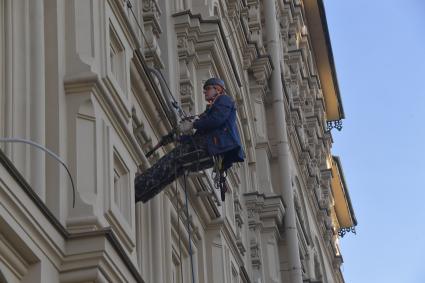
219, 176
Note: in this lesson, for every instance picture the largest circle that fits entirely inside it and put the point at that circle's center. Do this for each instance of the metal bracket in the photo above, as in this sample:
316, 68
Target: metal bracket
343, 231
336, 124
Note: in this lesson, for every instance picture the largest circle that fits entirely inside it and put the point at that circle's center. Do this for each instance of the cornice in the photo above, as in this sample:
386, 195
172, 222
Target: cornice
266, 211
321, 43
262, 69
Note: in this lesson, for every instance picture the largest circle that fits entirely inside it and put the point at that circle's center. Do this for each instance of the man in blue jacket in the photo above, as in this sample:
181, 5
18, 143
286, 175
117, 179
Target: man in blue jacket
216, 140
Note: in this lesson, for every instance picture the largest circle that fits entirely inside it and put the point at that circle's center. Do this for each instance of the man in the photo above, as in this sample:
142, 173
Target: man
216, 136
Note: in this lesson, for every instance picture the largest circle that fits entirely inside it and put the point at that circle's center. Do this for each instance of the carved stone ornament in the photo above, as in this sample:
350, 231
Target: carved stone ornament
148, 6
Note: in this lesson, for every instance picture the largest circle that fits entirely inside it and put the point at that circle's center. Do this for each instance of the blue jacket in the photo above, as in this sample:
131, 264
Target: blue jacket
218, 124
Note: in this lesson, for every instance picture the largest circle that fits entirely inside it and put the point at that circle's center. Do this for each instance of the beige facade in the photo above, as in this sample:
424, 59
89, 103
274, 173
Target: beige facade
76, 77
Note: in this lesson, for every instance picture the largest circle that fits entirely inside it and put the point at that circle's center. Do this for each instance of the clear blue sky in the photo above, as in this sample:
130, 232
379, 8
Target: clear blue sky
379, 52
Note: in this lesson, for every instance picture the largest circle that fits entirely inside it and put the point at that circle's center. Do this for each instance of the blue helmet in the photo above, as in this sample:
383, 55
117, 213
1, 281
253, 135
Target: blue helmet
214, 81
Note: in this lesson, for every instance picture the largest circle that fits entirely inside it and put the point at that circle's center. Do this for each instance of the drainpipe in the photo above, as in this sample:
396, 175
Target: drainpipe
284, 178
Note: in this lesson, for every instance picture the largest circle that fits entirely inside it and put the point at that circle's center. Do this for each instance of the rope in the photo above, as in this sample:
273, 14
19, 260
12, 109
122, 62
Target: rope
130, 6
175, 104
178, 225
187, 216
181, 113
188, 228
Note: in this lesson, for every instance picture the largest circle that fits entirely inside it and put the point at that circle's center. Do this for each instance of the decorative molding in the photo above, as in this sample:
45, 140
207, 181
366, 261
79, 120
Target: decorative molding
94, 86
262, 70
152, 27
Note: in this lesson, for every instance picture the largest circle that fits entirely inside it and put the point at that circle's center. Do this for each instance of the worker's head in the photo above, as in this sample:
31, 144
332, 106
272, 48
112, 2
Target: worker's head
212, 88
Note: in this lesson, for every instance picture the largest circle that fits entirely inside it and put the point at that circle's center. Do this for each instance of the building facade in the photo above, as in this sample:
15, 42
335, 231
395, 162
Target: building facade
93, 81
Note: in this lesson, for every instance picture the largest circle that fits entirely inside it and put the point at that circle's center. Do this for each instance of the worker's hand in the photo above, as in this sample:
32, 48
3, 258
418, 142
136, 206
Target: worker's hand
185, 126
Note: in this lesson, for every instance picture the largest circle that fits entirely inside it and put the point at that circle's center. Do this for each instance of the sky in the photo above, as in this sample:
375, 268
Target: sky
379, 52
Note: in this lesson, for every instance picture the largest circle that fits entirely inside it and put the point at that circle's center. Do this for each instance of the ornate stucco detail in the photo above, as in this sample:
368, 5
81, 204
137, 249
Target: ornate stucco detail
151, 20
328, 223
197, 44
337, 261
253, 207
107, 112
239, 219
186, 53
319, 111
187, 95
323, 202
140, 133
233, 7
246, 21
325, 186
254, 22
327, 234
308, 115
255, 254
261, 69
264, 207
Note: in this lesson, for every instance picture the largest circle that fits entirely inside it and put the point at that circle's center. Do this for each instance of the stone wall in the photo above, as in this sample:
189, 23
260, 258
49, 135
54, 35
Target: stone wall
74, 77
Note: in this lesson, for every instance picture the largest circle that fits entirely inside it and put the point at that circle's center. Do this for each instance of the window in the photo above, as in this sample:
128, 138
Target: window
117, 59
122, 187
181, 268
182, 264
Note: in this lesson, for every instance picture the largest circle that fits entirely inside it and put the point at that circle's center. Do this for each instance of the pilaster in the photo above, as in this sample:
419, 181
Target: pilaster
265, 216
81, 36
186, 53
37, 96
101, 157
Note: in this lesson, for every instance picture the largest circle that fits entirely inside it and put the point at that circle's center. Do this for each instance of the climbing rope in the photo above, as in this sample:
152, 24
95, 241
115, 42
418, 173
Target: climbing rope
183, 116
180, 154
188, 227
178, 224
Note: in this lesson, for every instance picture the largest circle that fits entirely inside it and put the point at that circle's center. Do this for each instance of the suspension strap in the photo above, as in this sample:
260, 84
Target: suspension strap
219, 176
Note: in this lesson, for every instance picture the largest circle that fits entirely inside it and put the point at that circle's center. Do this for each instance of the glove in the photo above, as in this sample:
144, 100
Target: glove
185, 126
